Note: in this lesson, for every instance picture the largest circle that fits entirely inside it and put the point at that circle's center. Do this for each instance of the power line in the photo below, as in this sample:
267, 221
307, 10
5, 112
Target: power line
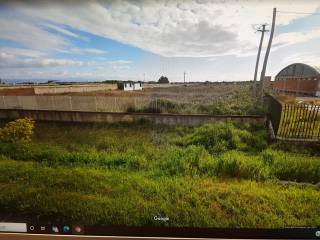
302, 13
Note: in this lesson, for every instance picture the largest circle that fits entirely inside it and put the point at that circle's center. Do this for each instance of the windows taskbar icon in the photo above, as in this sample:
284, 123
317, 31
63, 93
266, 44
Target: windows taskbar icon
77, 229
66, 229
55, 229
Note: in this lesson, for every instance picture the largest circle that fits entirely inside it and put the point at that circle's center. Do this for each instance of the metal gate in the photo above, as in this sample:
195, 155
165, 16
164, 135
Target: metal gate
294, 121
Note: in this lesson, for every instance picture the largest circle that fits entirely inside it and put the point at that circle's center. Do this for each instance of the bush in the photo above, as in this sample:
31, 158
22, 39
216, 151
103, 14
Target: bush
291, 167
239, 165
159, 106
183, 161
220, 137
20, 130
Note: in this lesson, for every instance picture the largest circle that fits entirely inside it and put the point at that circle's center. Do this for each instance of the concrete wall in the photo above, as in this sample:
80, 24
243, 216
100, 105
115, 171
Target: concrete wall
172, 119
73, 88
73, 103
56, 89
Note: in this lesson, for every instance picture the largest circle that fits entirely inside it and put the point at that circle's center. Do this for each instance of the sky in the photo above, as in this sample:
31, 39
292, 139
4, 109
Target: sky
142, 40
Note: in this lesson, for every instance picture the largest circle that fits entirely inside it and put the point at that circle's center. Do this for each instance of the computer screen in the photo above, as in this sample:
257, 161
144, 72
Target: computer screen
187, 119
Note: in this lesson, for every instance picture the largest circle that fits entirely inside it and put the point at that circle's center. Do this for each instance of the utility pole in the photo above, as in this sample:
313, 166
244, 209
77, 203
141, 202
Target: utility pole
263, 30
184, 77
263, 72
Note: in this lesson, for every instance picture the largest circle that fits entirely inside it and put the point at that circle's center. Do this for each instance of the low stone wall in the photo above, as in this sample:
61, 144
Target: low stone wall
77, 116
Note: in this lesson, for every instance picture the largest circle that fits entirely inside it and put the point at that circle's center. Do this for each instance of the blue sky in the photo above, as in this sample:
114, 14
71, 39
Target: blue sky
99, 40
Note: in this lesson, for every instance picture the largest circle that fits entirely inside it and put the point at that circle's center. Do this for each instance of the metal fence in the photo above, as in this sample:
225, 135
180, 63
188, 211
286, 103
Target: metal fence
300, 121
294, 121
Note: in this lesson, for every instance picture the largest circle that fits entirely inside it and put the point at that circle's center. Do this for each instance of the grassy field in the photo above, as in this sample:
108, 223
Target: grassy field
197, 98
214, 175
220, 99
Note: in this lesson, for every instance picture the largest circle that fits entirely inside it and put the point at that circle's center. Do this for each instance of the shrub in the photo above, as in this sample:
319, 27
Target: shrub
183, 161
240, 165
219, 137
20, 130
290, 167
159, 106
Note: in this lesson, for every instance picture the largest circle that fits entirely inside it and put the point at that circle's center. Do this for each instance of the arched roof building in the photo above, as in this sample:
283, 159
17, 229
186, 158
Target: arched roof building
299, 70
298, 78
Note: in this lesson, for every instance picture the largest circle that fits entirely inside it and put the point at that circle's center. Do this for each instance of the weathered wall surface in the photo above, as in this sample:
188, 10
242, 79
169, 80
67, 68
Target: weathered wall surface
73, 103
74, 116
296, 85
73, 88
16, 90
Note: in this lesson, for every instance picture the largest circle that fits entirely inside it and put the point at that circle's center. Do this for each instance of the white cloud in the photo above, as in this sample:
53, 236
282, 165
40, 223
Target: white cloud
25, 74
64, 31
94, 51
290, 38
29, 35
120, 64
22, 52
12, 61
307, 58
173, 28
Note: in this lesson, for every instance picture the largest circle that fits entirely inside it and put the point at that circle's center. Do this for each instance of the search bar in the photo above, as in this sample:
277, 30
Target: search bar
13, 227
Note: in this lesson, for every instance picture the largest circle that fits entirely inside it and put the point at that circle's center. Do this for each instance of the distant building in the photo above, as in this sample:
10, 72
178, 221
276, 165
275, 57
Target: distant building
298, 79
129, 86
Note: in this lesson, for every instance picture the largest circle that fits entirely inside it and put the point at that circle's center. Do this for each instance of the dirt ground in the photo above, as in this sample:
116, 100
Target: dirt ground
17, 91
196, 92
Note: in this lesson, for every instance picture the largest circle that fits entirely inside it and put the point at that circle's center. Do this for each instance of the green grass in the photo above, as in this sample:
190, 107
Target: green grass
97, 196
234, 102
214, 175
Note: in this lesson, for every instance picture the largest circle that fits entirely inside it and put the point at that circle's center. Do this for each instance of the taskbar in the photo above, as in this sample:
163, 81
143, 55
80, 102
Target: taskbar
162, 232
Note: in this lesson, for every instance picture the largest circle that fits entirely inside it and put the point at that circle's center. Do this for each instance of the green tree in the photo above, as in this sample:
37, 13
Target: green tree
163, 79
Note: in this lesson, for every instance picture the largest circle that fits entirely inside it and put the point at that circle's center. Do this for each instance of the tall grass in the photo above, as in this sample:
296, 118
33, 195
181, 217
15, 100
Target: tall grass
109, 197
223, 136
214, 175
220, 149
234, 102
